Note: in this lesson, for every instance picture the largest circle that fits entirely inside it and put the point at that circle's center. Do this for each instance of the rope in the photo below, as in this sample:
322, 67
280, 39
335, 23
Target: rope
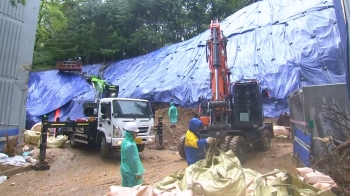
209, 155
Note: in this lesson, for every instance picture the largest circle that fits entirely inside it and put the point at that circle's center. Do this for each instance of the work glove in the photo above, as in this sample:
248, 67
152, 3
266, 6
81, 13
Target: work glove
210, 140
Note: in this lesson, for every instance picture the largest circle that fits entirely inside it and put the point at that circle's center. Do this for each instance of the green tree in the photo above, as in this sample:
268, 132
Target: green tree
110, 30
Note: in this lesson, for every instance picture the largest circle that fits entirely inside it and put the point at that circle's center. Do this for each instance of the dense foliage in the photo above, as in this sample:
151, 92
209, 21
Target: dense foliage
110, 30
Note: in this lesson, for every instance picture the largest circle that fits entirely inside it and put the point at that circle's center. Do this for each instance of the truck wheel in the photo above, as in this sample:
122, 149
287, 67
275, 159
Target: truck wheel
104, 148
181, 147
141, 147
264, 143
72, 141
239, 148
225, 146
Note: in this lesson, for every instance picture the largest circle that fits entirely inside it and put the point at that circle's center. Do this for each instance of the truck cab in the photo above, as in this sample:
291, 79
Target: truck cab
113, 115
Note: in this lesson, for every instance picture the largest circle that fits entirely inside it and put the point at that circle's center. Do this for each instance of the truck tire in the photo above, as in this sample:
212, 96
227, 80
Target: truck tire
225, 146
181, 147
141, 147
264, 143
239, 148
104, 148
72, 141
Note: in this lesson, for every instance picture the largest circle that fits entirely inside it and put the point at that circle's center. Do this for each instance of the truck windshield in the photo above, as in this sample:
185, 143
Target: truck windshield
131, 108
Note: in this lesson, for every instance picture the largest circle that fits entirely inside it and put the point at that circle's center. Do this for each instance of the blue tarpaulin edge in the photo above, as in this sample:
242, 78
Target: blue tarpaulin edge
340, 6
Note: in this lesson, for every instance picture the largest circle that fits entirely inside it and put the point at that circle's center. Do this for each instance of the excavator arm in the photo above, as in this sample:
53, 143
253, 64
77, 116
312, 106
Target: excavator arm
218, 108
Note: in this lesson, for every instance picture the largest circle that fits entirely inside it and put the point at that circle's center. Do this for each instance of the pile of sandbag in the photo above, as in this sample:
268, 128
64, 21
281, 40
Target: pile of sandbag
223, 175
33, 137
315, 178
282, 183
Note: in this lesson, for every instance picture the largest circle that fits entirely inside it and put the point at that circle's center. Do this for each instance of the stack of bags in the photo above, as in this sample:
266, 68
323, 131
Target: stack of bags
33, 136
226, 177
315, 178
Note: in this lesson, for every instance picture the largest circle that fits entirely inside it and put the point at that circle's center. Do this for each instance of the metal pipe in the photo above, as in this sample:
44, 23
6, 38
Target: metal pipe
216, 84
43, 142
160, 130
216, 61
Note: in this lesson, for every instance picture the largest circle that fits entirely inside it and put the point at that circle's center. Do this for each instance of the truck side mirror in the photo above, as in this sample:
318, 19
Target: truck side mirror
104, 116
265, 93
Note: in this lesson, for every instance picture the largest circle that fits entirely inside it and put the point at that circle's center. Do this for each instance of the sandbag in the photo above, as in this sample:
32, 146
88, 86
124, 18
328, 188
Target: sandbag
143, 190
227, 177
315, 178
265, 184
53, 142
31, 137
281, 132
224, 177
37, 128
57, 142
285, 184
27, 136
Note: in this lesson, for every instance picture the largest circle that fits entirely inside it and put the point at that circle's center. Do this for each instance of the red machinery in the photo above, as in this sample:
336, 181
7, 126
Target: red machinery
236, 119
214, 112
69, 65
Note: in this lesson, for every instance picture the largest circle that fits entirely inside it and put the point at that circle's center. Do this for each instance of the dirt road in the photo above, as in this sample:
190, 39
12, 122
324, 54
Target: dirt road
82, 172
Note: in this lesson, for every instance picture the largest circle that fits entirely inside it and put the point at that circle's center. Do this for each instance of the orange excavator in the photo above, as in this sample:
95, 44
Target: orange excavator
235, 119
218, 108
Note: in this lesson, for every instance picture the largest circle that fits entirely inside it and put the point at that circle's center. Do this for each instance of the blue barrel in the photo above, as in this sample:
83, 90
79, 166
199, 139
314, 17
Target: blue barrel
10, 132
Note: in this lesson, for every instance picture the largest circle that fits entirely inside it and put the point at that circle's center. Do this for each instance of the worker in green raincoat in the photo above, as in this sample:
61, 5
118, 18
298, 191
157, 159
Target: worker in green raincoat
172, 113
131, 168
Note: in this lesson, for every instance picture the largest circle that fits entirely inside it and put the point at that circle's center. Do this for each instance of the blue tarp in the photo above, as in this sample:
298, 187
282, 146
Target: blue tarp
341, 10
284, 44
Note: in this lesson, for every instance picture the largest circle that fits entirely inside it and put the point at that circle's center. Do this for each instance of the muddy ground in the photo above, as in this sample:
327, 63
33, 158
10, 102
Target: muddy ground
81, 171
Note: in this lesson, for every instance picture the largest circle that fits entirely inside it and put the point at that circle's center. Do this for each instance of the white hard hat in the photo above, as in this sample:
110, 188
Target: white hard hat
131, 126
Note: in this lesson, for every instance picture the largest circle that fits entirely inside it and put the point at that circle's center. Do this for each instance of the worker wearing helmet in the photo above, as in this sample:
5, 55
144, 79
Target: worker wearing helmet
131, 168
194, 146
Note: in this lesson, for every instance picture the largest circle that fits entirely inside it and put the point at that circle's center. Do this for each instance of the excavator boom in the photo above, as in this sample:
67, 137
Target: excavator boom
218, 108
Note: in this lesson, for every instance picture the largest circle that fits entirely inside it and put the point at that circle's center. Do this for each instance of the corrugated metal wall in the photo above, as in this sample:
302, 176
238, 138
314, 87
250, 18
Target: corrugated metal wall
307, 116
17, 37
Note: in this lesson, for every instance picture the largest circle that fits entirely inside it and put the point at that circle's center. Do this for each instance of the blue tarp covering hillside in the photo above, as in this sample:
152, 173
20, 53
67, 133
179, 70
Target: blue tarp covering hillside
285, 44
342, 8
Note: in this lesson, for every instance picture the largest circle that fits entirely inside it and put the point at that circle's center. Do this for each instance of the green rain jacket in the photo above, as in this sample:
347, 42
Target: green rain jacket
172, 113
130, 165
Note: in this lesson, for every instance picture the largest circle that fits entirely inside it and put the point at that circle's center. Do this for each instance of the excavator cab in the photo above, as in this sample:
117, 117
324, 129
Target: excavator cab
248, 105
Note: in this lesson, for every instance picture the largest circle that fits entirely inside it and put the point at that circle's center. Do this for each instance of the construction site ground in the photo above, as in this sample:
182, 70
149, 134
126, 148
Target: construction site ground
82, 172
